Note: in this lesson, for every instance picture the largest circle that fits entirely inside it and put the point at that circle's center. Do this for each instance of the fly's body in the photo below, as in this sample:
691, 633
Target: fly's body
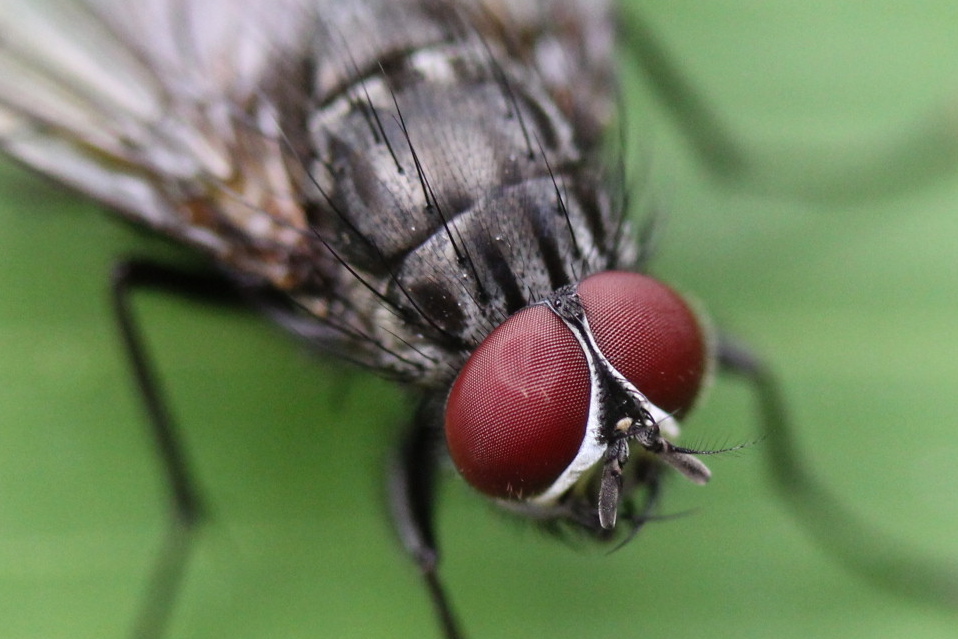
417, 186
391, 198
372, 180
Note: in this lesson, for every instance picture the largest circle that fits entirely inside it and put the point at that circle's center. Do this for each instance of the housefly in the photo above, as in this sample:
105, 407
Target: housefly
339, 276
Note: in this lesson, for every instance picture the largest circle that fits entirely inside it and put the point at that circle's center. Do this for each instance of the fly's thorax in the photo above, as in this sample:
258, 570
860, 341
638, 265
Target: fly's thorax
517, 247
399, 153
452, 190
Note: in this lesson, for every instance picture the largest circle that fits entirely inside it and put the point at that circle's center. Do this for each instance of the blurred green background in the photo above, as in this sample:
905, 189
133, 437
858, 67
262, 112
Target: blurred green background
855, 303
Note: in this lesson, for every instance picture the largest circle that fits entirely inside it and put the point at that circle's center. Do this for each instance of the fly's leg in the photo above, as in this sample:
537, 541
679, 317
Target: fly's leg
857, 545
911, 155
411, 491
188, 510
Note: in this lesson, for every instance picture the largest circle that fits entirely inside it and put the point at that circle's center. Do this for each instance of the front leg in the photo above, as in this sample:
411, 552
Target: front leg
854, 543
187, 512
411, 490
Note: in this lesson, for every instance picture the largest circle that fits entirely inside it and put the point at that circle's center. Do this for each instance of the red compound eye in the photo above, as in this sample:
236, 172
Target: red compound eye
517, 413
649, 334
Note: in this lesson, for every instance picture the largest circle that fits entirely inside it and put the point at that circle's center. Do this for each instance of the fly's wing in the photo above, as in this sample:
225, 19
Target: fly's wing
170, 112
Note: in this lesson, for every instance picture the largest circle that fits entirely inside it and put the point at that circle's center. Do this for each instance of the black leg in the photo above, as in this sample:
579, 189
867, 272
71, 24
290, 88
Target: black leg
187, 504
636, 517
412, 495
856, 544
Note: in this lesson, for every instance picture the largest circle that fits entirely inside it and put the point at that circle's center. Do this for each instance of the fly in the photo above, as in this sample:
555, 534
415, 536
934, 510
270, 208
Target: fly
420, 188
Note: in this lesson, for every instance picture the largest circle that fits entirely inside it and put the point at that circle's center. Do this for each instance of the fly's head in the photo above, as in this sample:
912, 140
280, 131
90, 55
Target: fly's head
547, 411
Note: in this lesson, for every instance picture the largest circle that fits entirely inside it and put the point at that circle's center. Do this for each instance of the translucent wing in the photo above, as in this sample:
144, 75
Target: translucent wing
161, 109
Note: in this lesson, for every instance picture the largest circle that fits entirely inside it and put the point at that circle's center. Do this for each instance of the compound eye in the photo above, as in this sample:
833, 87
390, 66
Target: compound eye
517, 413
649, 334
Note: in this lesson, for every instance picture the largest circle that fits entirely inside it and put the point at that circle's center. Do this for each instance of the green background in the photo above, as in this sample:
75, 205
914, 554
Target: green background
854, 301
